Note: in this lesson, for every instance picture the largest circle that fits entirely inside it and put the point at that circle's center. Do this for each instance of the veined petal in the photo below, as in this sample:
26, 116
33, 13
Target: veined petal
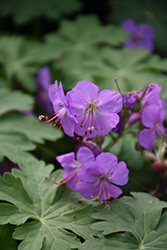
152, 95
110, 191
72, 183
68, 124
52, 91
120, 174
147, 138
61, 92
88, 190
65, 159
89, 173
107, 163
85, 155
105, 121
150, 115
84, 92
108, 101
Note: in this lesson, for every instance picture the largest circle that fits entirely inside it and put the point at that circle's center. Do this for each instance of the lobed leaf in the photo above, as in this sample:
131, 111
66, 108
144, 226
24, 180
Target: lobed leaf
50, 9
14, 146
140, 215
10, 101
57, 218
30, 126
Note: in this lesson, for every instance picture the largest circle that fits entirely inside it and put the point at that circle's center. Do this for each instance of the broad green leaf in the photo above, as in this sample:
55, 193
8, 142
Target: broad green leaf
30, 126
111, 242
57, 218
14, 146
25, 11
78, 42
13, 101
140, 215
6, 241
88, 30
128, 65
20, 59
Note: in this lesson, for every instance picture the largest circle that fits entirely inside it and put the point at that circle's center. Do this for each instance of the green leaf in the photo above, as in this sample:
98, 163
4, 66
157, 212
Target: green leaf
77, 42
20, 59
128, 65
51, 9
140, 215
111, 242
57, 218
6, 241
30, 126
12, 101
14, 146
88, 30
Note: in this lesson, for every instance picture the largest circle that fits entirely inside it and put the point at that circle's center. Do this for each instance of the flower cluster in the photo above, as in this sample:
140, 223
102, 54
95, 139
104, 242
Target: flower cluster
150, 113
141, 35
151, 116
93, 177
84, 110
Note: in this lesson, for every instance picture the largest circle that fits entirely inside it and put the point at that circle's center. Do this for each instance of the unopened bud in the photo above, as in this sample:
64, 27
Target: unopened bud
158, 165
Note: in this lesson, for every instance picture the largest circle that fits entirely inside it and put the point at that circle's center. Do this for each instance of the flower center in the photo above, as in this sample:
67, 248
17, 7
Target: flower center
137, 37
90, 120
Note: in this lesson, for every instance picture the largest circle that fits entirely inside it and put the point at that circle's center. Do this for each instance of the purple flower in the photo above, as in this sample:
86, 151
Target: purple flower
71, 166
119, 128
141, 35
44, 82
95, 112
97, 178
152, 95
62, 113
130, 99
153, 117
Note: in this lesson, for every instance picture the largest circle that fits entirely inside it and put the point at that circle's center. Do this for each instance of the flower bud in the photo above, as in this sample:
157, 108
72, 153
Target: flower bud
158, 165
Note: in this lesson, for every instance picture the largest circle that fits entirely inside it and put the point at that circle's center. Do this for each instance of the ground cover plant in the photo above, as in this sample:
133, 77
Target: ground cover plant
83, 100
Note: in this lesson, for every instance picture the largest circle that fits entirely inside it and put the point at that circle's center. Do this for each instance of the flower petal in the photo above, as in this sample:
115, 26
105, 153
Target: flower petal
72, 183
89, 173
120, 174
88, 190
85, 155
147, 138
84, 92
107, 163
109, 101
110, 191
